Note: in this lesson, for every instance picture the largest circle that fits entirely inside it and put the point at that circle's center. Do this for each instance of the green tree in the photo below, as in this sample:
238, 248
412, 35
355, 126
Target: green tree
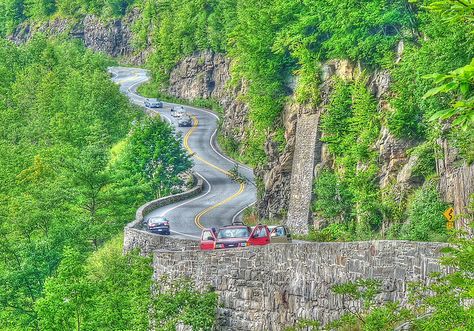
156, 156
66, 296
40, 9
425, 216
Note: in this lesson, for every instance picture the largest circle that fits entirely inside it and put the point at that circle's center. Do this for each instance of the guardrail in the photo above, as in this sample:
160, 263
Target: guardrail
135, 237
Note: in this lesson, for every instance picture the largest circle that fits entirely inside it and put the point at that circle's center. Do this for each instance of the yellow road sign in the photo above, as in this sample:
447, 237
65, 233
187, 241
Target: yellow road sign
449, 214
450, 225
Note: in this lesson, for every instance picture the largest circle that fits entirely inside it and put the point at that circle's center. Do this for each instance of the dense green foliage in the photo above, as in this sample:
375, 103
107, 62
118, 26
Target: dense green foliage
73, 171
109, 291
112, 291
424, 212
152, 158
270, 41
14, 12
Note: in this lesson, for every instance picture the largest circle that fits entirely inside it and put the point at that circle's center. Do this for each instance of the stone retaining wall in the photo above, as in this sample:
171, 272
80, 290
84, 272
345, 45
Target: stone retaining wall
146, 241
270, 287
301, 184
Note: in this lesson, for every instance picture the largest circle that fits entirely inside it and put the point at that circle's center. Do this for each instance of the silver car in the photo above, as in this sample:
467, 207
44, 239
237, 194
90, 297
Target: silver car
153, 103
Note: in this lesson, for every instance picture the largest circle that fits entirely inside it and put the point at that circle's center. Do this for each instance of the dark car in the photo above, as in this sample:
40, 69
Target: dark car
153, 103
185, 121
233, 236
158, 225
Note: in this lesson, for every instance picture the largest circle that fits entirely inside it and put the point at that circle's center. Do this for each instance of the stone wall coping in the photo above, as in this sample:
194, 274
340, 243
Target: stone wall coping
308, 244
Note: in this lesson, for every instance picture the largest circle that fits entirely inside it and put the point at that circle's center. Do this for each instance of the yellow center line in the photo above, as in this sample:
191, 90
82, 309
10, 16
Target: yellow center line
197, 219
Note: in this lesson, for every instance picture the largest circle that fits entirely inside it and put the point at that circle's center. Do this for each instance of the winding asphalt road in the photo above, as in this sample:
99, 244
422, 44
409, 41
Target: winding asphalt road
223, 200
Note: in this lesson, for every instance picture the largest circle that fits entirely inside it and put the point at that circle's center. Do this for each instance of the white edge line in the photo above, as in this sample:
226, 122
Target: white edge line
194, 199
139, 96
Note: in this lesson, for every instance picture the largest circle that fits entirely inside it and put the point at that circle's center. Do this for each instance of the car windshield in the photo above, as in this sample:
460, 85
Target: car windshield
157, 221
233, 233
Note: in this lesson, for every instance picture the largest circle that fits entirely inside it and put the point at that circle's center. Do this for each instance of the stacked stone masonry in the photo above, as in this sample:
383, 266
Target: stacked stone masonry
301, 184
272, 287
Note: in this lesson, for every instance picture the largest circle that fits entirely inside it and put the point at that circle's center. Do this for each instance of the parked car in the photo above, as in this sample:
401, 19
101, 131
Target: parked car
208, 239
260, 236
159, 225
185, 121
279, 234
153, 103
233, 236
177, 112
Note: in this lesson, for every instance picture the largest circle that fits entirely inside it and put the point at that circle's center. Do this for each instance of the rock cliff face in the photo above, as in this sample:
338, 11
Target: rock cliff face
113, 37
206, 75
456, 184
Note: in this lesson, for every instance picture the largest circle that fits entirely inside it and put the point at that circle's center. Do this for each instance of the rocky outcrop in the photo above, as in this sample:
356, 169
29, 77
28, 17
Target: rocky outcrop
112, 37
456, 184
206, 75
276, 174
393, 158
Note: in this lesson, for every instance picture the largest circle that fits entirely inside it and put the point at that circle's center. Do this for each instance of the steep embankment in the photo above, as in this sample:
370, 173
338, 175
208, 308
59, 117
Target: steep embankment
333, 117
112, 37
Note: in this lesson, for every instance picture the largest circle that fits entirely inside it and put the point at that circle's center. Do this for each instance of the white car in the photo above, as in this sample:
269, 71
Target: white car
178, 112
153, 103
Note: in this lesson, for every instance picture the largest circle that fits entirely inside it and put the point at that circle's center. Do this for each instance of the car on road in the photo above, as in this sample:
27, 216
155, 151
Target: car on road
233, 236
177, 112
279, 234
153, 103
159, 225
185, 121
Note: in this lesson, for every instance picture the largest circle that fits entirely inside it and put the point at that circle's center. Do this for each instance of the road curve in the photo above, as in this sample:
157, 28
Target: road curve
222, 199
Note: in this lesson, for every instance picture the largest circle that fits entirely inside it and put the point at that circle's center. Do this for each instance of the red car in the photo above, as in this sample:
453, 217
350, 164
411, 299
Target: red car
234, 236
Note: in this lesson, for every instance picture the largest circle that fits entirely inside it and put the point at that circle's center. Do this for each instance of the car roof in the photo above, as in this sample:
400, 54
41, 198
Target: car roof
158, 218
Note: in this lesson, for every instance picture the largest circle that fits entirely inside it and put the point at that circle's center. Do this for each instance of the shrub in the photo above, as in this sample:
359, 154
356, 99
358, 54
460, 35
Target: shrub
425, 216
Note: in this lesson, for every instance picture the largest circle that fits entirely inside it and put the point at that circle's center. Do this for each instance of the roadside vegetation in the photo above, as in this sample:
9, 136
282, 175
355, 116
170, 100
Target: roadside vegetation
77, 159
